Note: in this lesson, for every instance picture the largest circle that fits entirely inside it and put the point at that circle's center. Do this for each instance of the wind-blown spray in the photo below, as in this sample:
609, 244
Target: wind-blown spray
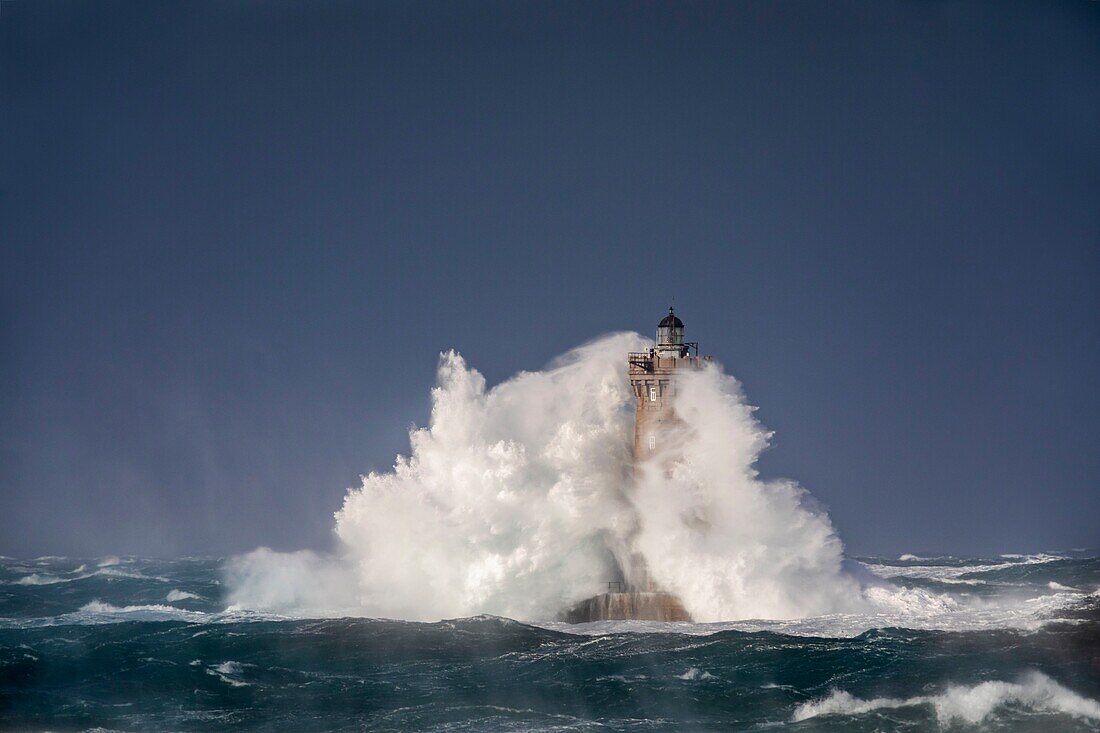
728, 544
522, 499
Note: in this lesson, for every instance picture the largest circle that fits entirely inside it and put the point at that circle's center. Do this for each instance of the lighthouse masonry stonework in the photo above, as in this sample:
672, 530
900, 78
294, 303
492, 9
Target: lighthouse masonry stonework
653, 377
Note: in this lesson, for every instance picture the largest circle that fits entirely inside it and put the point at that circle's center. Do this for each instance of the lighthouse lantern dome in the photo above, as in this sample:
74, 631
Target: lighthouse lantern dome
670, 331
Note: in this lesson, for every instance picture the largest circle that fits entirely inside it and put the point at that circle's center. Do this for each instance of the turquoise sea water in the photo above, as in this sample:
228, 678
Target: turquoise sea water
143, 644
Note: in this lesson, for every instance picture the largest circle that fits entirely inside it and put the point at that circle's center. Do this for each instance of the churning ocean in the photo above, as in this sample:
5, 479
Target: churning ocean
149, 645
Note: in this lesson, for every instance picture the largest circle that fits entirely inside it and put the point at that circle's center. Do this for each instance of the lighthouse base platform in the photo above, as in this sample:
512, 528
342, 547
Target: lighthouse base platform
627, 606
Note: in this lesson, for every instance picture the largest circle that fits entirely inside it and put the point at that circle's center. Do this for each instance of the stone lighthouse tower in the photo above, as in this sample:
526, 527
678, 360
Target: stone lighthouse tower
653, 376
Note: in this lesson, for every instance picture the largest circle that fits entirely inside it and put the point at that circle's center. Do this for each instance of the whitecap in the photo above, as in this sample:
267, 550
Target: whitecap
101, 612
965, 703
953, 573
112, 572
102, 607
36, 579
228, 672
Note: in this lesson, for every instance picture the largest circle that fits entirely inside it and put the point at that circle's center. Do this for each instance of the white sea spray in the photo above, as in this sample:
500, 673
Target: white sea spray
971, 704
522, 499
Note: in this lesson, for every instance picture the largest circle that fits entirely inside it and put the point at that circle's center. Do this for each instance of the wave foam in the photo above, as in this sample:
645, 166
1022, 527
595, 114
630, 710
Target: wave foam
522, 499
969, 704
36, 579
954, 573
229, 672
97, 610
109, 572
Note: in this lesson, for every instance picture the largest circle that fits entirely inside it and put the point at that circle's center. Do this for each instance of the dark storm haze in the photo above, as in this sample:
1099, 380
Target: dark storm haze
236, 237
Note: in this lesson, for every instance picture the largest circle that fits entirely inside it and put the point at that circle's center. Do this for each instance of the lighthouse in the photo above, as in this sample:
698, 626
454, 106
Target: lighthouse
653, 377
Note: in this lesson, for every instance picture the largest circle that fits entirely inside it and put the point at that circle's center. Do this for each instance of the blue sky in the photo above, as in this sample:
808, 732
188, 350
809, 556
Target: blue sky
234, 238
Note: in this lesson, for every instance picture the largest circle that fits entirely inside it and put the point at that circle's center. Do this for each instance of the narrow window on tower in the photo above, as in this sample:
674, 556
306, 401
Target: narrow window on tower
652, 442
652, 394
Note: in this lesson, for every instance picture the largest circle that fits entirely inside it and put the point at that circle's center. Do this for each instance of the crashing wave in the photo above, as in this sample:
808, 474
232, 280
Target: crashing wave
967, 704
521, 500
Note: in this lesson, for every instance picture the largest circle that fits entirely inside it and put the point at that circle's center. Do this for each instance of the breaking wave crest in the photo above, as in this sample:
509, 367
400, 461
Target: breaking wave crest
109, 572
967, 704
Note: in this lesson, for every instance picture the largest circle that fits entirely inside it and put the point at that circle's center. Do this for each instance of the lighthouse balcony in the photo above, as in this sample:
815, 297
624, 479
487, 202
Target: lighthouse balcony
650, 362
